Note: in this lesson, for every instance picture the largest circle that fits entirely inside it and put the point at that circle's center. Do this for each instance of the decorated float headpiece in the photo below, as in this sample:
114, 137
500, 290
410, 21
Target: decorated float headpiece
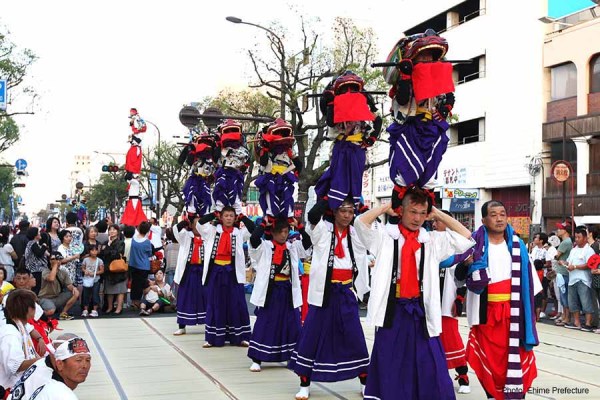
230, 131
411, 46
348, 81
280, 128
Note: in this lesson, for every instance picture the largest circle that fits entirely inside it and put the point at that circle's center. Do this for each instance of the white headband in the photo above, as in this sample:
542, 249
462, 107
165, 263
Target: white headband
69, 348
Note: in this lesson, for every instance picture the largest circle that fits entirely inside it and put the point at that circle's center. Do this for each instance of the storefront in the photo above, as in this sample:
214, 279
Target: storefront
462, 205
517, 203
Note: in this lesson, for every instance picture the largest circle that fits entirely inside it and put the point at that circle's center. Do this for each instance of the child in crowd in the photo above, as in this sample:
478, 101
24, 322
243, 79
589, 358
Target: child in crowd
92, 267
157, 295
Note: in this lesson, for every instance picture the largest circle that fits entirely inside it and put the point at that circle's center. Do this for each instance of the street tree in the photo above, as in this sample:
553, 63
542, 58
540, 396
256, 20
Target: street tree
14, 66
162, 160
7, 179
110, 192
354, 49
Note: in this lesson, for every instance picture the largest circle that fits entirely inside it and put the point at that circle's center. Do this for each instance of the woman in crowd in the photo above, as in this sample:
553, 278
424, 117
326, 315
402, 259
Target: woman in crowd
157, 295
17, 350
90, 239
139, 262
69, 257
8, 255
115, 283
52, 228
36, 256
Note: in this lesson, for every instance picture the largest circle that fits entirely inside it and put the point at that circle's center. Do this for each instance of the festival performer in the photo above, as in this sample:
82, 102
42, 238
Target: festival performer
407, 360
191, 295
354, 127
332, 344
196, 191
500, 308
224, 275
57, 374
453, 298
279, 169
276, 294
233, 163
133, 214
133, 158
422, 99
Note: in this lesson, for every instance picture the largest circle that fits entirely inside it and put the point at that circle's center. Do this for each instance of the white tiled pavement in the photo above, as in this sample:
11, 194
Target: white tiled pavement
141, 359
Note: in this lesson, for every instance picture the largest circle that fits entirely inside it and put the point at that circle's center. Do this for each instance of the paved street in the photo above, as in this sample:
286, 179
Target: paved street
136, 358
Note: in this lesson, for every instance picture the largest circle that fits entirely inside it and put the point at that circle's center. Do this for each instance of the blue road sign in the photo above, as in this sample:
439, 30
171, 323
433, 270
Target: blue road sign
3, 94
21, 164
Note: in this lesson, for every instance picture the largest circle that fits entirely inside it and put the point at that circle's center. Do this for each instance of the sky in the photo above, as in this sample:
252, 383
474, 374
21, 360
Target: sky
560, 8
98, 59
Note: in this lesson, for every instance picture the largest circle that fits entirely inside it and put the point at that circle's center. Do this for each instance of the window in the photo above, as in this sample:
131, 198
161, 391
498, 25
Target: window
564, 81
472, 71
470, 131
253, 194
595, 74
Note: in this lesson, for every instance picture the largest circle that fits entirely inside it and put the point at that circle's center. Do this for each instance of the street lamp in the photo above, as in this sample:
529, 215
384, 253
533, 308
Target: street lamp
237, 20
158, 174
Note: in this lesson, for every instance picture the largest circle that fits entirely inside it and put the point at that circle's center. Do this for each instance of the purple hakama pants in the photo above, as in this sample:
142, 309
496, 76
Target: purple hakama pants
405, 364
332, 344
191, 297
227, 318
277, 326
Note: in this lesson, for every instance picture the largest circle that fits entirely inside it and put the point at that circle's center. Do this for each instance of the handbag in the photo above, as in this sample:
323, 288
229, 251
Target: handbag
118, 265
155, 266
88, 281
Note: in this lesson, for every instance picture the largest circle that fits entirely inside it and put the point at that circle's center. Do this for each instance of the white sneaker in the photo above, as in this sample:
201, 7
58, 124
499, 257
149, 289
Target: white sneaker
543, 315
179, 332
464, 389
84, 313
94, 314
255, 367
303, 393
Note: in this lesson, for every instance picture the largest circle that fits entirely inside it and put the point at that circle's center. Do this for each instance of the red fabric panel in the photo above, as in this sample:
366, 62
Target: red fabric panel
133, 160
351, 107
432, 79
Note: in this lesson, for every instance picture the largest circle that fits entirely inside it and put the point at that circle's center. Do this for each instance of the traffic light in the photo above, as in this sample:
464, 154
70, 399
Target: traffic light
18, 185
110, 168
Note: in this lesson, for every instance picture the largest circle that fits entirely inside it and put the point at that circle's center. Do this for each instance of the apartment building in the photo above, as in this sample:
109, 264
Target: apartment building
571, 128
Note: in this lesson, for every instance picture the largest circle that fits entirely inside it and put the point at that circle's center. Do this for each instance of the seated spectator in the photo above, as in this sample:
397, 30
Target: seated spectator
58, 374
157, 295
92, 267
57, 290
171, 254
17, 350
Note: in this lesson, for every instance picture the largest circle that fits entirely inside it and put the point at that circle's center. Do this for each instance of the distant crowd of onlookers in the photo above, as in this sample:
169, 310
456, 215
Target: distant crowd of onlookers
567, 266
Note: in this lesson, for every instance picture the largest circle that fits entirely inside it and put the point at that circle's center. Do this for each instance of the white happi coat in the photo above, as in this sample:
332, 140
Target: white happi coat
438, 247
449, 292
262, 258
321, 240
208, 232
185, 239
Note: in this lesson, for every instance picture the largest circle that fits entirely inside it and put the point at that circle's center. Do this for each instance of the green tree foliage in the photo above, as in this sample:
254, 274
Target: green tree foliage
14, 65
110, 191
162, 160
7, 179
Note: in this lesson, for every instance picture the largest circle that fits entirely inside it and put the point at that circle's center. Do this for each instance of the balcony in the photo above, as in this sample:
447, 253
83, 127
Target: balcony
582, 204
586, 125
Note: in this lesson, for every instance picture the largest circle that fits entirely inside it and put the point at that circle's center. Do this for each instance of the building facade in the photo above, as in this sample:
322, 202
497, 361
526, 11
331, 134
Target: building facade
498, 107
571, 128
